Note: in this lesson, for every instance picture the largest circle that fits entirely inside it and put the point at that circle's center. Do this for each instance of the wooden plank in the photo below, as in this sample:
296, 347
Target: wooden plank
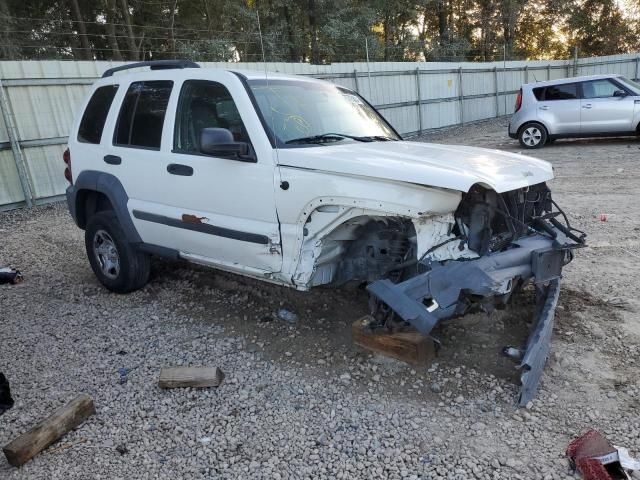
198, 377
410, 347
66, 418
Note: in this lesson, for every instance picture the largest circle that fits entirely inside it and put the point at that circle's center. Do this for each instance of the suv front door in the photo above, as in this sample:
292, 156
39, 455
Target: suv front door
602, 110
214, 210
559, 109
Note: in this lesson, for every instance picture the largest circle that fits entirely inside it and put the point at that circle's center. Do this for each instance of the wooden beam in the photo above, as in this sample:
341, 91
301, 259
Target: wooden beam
197, 377
66, 418
410, 346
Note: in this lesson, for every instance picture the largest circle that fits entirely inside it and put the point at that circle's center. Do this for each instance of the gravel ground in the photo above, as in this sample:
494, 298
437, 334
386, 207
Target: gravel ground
299, 401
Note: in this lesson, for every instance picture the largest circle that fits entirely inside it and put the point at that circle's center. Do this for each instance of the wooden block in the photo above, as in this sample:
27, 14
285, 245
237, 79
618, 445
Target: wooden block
198, 377
66, 418
410, 347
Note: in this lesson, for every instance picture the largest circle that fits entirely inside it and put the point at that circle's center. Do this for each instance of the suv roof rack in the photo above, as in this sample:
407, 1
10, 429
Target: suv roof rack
154, 65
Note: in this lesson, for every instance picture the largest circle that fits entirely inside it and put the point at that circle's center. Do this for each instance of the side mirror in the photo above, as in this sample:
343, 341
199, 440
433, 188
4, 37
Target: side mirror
219, 142
619, 93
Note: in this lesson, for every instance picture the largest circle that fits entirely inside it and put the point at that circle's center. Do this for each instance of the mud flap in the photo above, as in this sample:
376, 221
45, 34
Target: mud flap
539, 341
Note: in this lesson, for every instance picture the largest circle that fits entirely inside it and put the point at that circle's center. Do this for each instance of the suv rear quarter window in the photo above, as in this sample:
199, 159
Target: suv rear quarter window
539, 93
566, 91
95, 115
142, 114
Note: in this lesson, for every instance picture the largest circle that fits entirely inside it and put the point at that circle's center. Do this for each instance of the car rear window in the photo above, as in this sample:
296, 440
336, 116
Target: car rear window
539, 93
142, 114
567, 91
95, 115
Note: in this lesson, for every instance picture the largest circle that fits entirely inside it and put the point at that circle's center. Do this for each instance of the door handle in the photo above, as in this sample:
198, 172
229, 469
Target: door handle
544, 107
112, 159
588, 105
179, 169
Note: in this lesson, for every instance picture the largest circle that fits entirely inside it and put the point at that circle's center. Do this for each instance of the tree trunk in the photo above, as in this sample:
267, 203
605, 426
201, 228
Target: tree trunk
8, 48
293, 44
510, 12
387, 38
172, 36
131, 39
315, 54
85, 49
443, 22
111, 30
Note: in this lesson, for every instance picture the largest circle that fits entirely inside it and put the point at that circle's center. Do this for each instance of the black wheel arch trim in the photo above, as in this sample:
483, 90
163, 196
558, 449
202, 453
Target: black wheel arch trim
108, 185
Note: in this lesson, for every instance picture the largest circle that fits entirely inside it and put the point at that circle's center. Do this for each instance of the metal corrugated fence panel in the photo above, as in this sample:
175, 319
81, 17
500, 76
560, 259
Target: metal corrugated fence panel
10, 190
46, 170
441, 114
45, 112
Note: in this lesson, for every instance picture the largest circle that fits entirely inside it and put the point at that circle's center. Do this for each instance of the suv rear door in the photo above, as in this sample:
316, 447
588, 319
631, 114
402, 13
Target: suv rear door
559, 108
602, 112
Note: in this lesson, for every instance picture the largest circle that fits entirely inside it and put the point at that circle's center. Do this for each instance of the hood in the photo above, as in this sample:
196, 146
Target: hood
446, 166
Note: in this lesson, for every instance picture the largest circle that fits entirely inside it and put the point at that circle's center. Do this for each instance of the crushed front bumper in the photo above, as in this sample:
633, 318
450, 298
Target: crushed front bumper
448, 289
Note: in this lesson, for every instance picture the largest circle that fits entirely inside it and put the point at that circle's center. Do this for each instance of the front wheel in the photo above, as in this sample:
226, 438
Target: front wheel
116, 263
532, 135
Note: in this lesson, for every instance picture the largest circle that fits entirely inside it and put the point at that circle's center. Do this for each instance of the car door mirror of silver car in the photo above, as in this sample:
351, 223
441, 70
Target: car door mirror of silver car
619, 93
219, 142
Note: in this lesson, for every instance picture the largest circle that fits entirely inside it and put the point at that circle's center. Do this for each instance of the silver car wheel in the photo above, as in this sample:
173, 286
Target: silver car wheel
105, 251
532, 136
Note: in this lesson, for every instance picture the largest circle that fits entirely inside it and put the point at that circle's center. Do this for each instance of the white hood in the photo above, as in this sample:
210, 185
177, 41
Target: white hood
446, 166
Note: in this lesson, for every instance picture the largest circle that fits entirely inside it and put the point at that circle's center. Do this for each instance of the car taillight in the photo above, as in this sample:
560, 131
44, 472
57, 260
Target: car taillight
519, 100
66, 156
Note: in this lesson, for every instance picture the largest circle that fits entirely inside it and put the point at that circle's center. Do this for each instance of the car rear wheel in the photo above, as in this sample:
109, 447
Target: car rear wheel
532, 135
116, 263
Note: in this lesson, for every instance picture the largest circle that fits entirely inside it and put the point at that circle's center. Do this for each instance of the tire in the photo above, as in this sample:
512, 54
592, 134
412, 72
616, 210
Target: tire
532, 135
116, 263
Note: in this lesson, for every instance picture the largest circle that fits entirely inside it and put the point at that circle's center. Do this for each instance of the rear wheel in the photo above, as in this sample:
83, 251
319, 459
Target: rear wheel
532, 135
116, 263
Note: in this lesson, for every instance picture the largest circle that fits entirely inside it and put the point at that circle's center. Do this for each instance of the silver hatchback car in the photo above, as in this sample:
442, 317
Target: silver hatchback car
591, 106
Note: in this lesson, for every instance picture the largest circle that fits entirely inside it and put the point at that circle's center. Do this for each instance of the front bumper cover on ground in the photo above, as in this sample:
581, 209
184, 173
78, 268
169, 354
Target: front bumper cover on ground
447, 288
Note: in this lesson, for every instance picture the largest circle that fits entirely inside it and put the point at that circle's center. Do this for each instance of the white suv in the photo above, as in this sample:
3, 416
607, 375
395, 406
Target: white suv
302, 183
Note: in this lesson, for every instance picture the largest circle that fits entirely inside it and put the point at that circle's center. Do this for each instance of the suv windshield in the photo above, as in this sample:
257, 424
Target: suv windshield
635, 86
310, 113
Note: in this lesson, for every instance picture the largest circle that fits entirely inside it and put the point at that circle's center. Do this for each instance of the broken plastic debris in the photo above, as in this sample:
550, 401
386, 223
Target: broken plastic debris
287, 316
596, 458
123, 372
10, 275
6, 402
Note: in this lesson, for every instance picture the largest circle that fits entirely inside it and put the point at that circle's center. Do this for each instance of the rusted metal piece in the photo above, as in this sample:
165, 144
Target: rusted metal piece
190, 218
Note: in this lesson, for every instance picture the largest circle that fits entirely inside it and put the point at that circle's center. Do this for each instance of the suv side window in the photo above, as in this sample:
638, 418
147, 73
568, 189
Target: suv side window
95, 115
599, 88
142, 114
567, 91
205, 104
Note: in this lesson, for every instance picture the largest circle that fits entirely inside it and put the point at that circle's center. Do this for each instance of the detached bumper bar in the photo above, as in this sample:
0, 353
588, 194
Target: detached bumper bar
448, 290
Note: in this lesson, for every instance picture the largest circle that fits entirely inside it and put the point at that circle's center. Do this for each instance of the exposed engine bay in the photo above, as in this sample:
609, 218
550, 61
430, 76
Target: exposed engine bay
421, 271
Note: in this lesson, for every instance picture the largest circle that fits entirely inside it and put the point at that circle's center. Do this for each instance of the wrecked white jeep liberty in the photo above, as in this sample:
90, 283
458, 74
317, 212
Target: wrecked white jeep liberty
302, 183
